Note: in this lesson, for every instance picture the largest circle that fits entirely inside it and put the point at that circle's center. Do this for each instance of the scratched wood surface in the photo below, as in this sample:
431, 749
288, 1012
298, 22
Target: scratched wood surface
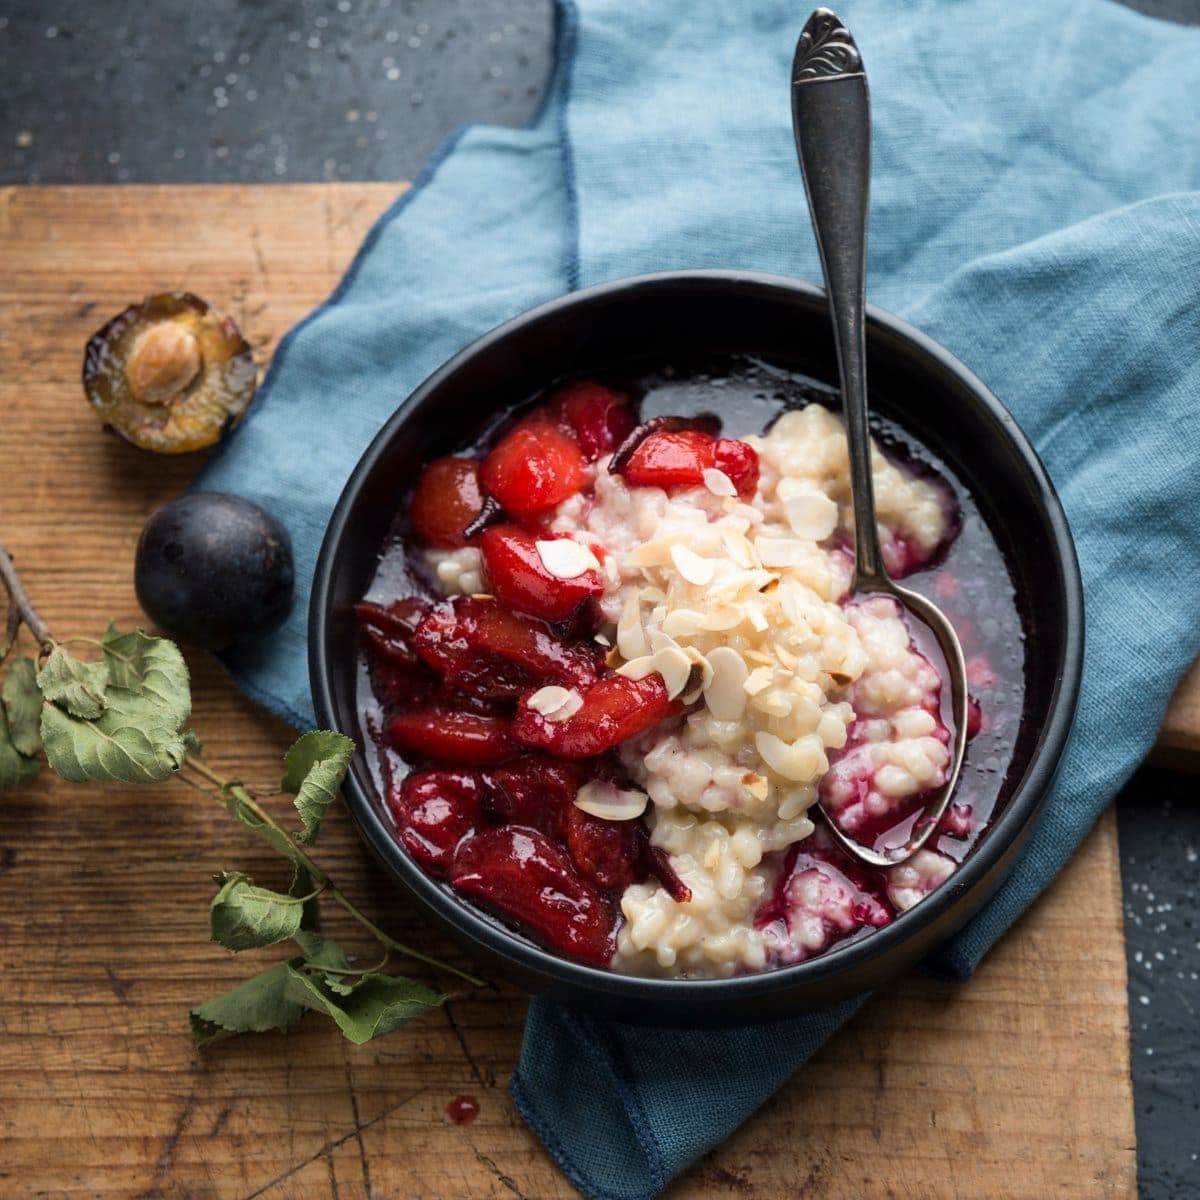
1016, 1084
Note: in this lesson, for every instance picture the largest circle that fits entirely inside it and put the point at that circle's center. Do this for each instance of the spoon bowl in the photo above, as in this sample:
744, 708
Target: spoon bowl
831, 120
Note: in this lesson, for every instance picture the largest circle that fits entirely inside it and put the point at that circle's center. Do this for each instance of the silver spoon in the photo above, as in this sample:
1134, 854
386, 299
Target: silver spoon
831, 119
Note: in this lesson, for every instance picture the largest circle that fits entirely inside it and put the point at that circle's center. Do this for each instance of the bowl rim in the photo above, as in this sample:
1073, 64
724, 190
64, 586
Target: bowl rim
489, 935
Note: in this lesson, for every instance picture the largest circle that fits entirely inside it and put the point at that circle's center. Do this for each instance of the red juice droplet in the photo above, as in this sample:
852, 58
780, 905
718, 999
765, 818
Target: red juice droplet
462, 1110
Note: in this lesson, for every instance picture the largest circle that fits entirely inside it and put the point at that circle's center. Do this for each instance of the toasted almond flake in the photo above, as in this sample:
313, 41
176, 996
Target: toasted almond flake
601, 640
637, 668
605, 800
754, 614
631, 637
758, 679
661, 641
691, 566
801, 761
722, 617
546, 700
757, 656
556, 703
786, 657
718, 482
566, 558
613, 658
755, 784
811, 515
778, 552
481, 596
737, 547
725, 695
683, 622
675, 668
650, 554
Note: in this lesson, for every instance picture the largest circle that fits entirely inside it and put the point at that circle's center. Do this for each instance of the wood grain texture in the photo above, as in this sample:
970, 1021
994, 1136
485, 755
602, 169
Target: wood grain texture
1016, 1084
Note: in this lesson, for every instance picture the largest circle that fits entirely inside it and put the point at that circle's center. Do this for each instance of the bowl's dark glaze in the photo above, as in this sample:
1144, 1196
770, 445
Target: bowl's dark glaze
653, 320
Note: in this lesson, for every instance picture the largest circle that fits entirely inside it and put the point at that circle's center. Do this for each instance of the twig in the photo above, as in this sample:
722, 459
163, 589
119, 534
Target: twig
20, 599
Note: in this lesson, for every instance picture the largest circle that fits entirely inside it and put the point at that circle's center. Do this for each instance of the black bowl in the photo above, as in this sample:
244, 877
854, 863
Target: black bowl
657, 320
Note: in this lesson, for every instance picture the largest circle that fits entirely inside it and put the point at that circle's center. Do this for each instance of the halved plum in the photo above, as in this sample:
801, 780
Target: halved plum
519, 579
533, 468
535, 791
598, 418
446, 499
435, 810
460, 738
170, 374
677, 458
523, 875
480, 647
614, 710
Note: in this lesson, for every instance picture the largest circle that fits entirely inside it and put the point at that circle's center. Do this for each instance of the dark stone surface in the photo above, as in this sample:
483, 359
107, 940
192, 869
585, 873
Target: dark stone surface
1159, 820
114, 91
225, 91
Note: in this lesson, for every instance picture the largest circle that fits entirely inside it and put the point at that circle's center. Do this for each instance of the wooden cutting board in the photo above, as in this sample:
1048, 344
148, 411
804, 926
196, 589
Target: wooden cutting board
1016, 1084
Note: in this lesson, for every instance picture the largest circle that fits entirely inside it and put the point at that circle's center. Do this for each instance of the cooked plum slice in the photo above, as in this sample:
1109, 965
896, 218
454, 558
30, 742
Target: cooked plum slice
445, 501
598, 418
435, 810
535, 791
480, 647
522, 875
519, 579
604, 851
614, 710
459, 738
677, 458
388, 630
533, 468
170, 374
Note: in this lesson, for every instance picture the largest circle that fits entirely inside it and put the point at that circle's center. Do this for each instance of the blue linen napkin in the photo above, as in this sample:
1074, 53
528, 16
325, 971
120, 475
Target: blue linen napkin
1034, 207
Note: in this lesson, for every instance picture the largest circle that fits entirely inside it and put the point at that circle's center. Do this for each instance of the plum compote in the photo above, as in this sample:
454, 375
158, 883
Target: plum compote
611, 662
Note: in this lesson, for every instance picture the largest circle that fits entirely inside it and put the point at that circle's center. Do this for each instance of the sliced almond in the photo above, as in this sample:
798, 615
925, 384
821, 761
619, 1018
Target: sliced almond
683, 622
811, 515
605, 800
725, 695
722, 617
556, 703
759, 678
601, 640
546, 700
718, 482
637, 668
566, 558
675, 668
778, 552
802, 761
738, 548
650, 554
692, 567
631, 637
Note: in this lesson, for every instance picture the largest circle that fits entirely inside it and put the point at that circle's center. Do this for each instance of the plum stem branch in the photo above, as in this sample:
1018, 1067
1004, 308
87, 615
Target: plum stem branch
20, 603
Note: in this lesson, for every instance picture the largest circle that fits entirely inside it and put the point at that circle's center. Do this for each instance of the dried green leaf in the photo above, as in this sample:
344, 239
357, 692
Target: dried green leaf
303, 889
316, 765
75, 685
321, 952
244, 916
15, 768
377, 1005
258, 1005
152, 667
132, 741
23, 705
